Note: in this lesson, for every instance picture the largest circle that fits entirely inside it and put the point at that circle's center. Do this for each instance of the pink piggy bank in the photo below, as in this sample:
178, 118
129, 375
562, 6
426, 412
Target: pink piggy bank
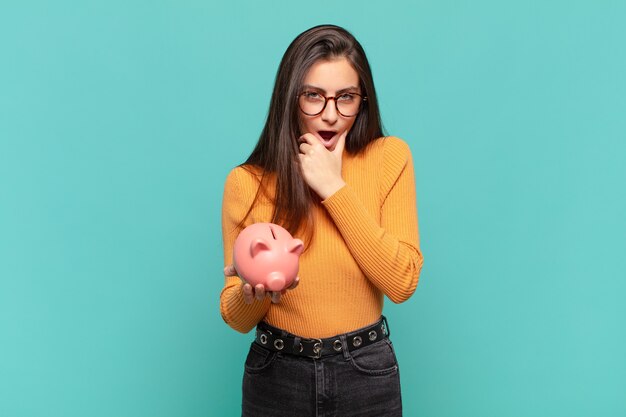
266, 253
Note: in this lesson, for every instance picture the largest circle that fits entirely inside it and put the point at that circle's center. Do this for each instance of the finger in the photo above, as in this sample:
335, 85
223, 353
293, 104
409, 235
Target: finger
229, 270
305, 147
275, 296
341, 143
248, 296
259, 292
311, 139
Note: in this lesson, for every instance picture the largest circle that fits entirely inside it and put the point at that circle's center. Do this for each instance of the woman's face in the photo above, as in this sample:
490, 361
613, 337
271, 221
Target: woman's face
331, 79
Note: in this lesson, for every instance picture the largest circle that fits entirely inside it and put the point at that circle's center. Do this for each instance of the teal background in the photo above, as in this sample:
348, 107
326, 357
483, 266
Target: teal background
120, 120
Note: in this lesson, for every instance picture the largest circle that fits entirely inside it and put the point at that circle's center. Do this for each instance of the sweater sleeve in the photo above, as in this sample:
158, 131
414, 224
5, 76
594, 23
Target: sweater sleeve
387, 252
235, 312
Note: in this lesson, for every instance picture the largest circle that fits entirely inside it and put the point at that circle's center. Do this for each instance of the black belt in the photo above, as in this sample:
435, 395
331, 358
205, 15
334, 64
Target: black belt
278, 340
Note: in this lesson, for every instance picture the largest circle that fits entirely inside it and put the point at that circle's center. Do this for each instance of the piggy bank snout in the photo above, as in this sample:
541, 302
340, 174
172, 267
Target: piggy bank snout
276, 281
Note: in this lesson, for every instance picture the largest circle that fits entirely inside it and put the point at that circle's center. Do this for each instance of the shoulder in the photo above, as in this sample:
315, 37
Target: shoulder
391, 150
393, 159
250, 184
396, 143
244, 177
396, 148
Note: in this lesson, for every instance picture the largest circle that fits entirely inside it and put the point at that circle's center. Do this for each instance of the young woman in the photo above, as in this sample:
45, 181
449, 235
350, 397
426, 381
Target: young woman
323, 169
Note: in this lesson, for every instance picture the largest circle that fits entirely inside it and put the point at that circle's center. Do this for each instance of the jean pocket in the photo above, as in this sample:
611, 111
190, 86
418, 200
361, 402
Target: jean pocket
258, 359
376, 359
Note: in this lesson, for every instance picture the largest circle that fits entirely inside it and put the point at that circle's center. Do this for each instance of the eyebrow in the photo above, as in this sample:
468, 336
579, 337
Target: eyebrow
343, 90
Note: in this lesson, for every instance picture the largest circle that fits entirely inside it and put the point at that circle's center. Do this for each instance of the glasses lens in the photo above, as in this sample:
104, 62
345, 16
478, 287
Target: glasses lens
348, 104
311, 103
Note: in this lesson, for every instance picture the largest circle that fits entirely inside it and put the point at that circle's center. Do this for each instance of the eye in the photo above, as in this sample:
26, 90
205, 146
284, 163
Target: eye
346, 97
312, 95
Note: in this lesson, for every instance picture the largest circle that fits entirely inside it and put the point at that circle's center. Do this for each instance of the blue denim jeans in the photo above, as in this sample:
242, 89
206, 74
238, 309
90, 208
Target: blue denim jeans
364, 382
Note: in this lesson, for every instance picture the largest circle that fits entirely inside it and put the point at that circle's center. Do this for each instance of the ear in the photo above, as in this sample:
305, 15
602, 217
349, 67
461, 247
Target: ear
296, 246
258, 245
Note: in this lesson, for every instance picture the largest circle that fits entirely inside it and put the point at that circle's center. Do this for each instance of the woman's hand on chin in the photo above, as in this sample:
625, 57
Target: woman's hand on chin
321, 167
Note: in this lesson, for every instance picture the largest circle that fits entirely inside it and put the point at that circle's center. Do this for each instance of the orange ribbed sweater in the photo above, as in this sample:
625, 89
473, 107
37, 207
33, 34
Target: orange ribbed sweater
365, 244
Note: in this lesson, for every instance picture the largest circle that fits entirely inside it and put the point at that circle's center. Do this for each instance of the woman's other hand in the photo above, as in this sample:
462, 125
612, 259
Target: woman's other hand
321, 168
258, 291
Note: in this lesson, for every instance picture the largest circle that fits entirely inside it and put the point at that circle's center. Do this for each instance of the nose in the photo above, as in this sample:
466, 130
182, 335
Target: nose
330, 114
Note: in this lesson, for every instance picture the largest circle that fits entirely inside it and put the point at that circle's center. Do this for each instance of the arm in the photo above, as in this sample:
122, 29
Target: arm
235, 311
388, 253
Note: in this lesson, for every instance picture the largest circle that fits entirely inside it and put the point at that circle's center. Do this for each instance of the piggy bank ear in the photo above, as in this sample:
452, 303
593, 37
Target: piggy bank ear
258, 245
296, 246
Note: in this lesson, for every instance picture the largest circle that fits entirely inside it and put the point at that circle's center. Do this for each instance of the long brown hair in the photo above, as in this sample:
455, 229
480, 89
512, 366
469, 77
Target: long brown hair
277, 149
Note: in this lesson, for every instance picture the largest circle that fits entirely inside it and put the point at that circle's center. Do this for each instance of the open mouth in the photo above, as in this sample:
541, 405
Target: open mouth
326, 134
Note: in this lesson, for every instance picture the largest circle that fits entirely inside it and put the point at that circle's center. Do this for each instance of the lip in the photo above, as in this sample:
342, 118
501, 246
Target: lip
331, 141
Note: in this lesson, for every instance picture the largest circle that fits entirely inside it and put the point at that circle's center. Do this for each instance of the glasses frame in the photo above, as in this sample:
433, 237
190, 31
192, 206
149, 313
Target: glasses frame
363, 99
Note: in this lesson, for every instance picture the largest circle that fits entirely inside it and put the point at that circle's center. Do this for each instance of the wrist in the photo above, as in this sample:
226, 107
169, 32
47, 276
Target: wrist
331, 189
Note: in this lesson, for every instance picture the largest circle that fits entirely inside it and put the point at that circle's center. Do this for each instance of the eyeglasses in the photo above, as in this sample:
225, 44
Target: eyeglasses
313, 103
